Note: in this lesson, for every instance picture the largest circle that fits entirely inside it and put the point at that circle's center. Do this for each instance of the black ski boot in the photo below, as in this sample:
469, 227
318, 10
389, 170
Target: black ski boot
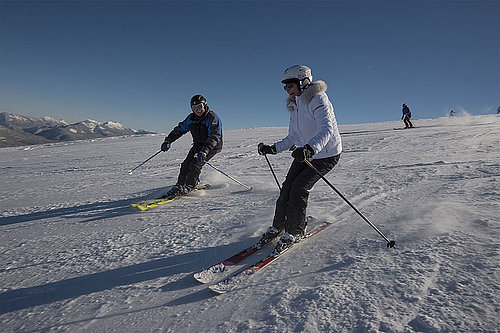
177, 190
285, 242
268, 236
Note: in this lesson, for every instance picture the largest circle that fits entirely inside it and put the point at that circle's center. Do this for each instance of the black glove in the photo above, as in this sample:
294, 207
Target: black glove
165, 146
265, 149
303, 153
201, 157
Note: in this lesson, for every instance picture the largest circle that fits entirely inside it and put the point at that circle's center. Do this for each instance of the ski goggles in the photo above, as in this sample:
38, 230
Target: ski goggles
289, 84
197, 107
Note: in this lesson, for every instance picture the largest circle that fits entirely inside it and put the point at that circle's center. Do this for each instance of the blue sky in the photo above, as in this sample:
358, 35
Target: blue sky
139, 62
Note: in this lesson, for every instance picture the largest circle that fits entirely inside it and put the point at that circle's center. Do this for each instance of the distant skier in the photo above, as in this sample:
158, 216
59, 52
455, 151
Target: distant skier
206, 130
406, 116
313, 129
452, 114
498, 110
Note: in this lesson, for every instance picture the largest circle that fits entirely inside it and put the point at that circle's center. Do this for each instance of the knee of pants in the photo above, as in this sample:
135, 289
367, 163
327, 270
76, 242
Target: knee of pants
298, 194
282, 200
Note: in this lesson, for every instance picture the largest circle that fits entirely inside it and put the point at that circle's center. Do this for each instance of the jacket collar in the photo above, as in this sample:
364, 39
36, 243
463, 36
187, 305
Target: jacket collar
314, 89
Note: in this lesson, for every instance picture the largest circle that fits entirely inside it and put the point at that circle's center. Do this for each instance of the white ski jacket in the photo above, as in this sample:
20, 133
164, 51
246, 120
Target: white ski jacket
312, 121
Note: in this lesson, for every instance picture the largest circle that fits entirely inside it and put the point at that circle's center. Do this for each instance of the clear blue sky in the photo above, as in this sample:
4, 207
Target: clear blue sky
139, 62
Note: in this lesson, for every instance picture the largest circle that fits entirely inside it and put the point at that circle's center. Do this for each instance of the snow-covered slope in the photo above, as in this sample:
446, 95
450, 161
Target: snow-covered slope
75, 257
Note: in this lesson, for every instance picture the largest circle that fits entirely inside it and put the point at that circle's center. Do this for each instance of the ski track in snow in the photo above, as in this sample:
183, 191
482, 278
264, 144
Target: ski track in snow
75, 257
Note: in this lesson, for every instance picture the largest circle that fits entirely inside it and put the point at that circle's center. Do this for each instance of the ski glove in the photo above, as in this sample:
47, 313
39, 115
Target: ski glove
265, 149
303, 153
165, 146
201, 157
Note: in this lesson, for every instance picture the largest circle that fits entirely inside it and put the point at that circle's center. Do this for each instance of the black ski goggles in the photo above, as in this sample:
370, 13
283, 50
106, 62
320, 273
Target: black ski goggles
197, 107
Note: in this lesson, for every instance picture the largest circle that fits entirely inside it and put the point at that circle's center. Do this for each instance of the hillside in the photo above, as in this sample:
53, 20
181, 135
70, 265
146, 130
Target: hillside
17, 130
75, 257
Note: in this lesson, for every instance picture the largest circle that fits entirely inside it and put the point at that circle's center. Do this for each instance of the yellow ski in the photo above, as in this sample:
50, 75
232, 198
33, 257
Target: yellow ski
147, 204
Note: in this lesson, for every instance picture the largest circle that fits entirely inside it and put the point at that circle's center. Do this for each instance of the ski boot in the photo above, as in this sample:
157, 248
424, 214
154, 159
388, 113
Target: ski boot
285, 242
270, 234
177, 190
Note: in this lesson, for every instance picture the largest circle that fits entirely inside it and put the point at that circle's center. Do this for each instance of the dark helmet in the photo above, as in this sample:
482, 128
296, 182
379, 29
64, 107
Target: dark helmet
197, 99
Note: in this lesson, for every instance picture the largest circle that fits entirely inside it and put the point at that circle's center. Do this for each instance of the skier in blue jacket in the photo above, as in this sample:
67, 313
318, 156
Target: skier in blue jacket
406, 116
206, 129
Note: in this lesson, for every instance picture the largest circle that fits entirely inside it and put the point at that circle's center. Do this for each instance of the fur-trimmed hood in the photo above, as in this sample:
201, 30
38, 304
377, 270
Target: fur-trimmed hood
315, 88
312, 122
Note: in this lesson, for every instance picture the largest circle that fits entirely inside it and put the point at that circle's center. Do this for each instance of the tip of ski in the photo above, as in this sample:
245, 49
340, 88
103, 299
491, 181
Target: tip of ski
218, 289
205, 276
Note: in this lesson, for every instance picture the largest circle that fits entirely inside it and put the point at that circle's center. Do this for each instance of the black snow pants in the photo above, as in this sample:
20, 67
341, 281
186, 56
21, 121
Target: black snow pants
290, 212
407, 121
189, 174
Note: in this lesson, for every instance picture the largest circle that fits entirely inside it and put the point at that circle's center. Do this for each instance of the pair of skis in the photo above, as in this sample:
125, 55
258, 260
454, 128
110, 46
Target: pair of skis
147, 204
217, 270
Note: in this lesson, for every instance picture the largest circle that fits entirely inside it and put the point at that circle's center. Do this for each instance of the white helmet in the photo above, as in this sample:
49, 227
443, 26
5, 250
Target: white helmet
297, 72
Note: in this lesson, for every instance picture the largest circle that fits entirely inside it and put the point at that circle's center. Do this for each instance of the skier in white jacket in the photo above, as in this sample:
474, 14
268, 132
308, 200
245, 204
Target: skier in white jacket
312, 134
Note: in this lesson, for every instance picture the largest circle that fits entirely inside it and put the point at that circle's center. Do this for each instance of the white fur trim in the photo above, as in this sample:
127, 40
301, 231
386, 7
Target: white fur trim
315, 88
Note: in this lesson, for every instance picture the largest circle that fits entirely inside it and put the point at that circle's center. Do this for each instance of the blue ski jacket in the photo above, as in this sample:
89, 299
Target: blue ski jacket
406, 111
205, 130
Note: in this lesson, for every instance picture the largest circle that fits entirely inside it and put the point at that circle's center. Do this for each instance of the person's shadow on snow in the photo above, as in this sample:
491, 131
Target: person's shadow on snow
187, 263
89, 212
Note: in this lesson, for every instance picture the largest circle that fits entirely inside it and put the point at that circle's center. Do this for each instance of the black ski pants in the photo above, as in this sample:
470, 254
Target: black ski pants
407, 121
290, 212
189, 174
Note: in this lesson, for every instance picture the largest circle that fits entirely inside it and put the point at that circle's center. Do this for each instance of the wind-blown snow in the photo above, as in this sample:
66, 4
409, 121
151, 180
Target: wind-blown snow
75, 257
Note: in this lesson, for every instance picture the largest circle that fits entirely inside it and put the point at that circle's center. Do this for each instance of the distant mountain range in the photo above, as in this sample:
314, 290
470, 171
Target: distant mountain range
16, 130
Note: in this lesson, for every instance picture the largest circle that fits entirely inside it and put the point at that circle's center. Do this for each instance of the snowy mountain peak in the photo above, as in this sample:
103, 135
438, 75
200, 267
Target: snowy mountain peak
21, 130
114, 125
51, 120
90, 123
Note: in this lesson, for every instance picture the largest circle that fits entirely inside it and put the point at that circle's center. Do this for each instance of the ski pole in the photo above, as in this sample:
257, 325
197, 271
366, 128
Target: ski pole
130, 171
389, 242
228, 176
271, 167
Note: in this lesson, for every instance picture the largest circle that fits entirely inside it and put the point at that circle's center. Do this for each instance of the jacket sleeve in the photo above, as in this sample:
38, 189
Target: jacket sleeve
322, 111
285, 143
291, 138
179, 130
214, 138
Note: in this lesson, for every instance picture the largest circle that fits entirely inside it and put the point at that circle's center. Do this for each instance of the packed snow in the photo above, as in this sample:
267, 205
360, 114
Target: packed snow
76, 257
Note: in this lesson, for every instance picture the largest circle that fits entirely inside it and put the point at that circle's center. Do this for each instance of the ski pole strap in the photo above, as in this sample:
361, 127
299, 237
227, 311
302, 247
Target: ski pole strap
228, 176
271, 167
390, 243
130, 171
